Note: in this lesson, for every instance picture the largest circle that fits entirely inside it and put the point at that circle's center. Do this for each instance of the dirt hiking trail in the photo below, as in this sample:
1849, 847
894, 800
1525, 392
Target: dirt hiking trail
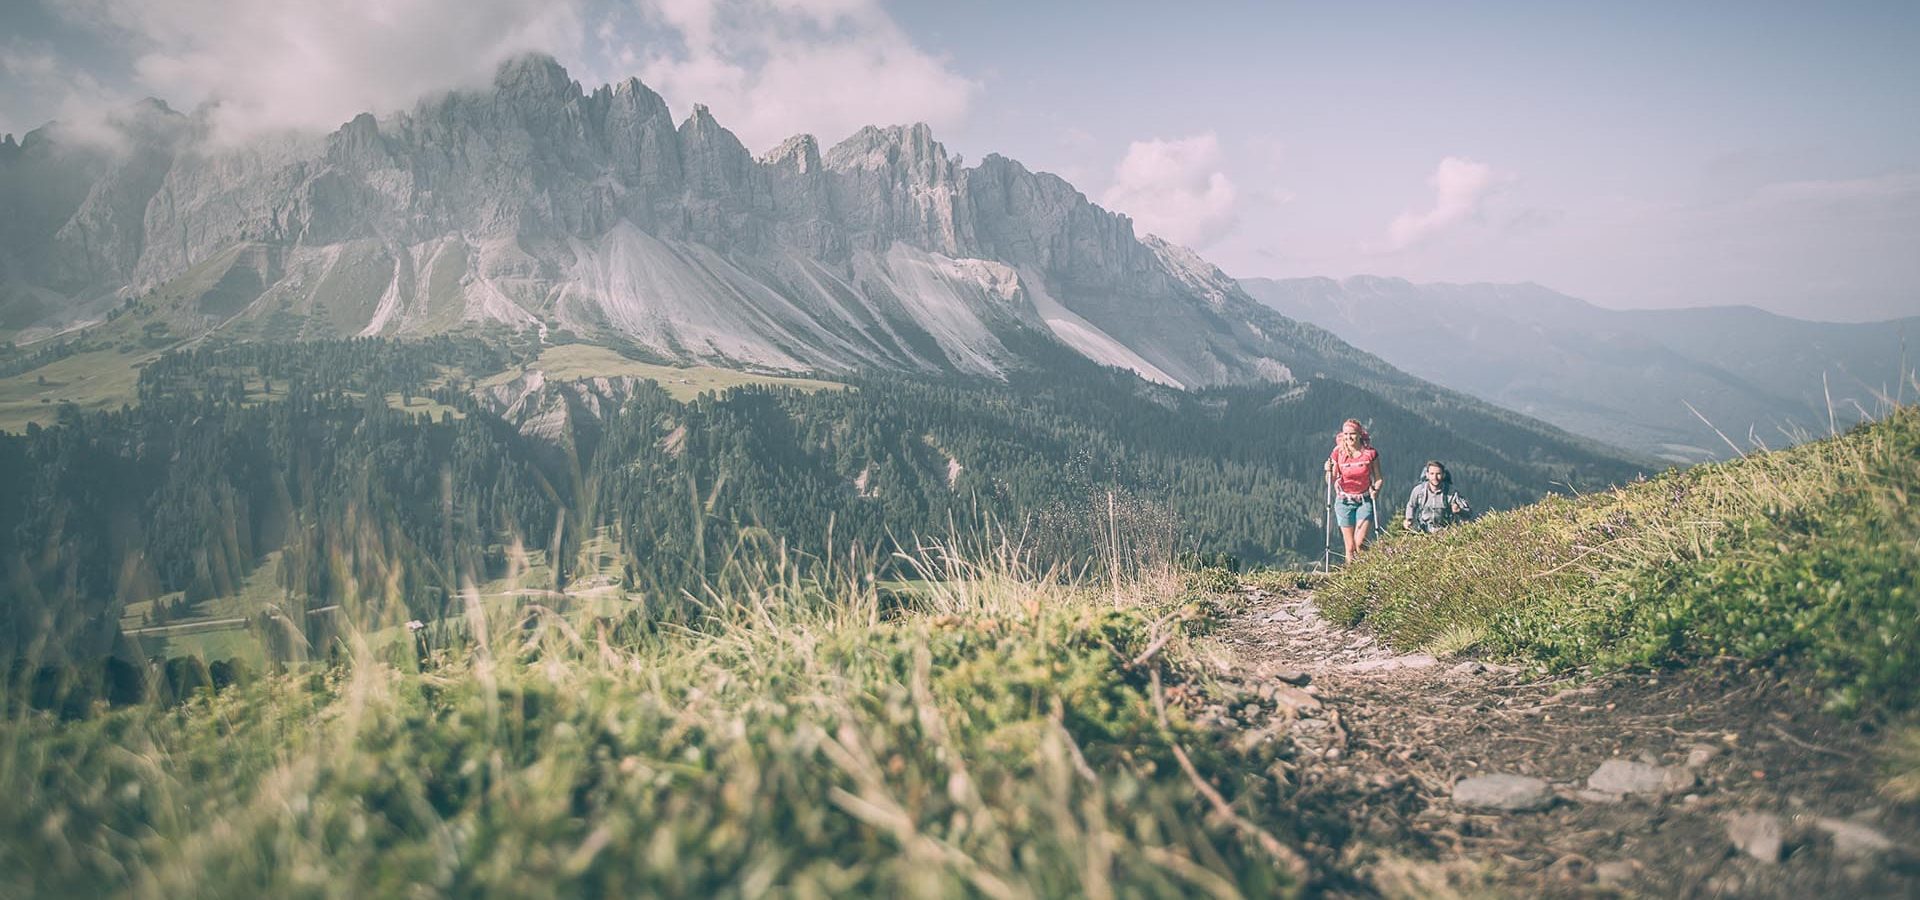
1433, 777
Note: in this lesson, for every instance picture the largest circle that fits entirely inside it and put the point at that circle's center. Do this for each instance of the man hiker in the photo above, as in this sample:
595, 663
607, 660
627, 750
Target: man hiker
1353, 480
1434, 504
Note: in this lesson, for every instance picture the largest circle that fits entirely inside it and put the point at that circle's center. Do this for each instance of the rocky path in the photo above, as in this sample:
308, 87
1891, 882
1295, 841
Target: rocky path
1457, 775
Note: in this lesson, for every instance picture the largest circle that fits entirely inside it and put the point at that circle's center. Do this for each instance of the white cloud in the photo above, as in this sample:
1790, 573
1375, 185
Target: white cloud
1460, 187
35, 85
770, 69
1175, 189
290, 64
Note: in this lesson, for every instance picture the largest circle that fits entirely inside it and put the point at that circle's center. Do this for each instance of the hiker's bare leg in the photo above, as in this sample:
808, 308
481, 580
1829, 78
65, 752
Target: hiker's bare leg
1346, 534
1360, 534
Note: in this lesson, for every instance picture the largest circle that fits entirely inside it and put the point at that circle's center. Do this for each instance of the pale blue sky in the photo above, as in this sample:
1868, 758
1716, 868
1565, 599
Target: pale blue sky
1630, 154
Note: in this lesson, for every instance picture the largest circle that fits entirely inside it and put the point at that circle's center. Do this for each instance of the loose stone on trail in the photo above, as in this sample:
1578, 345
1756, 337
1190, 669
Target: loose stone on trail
1293, 677
1621, 776
1701, 754
1508, 792
1757, 834
1292, 701
1679, 780
1615, 872
1395, 663
1853, 840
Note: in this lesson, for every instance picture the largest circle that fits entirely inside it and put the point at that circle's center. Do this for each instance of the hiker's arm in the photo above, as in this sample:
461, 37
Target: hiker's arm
1413, 503
1378, 481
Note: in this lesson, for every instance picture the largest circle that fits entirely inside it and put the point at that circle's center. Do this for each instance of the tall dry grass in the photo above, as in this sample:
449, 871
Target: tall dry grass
996, 731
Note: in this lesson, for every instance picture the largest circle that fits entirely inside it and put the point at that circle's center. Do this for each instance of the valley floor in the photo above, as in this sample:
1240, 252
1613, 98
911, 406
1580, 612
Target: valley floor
1726, 756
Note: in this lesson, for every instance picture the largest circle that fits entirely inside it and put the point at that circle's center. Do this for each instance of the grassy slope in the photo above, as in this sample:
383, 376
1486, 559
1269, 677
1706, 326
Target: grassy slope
993, 740
1807, 557
93, 381
105, 379
570, 362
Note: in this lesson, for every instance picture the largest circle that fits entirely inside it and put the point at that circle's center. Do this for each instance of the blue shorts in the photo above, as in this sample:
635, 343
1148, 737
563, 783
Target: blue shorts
1349, 512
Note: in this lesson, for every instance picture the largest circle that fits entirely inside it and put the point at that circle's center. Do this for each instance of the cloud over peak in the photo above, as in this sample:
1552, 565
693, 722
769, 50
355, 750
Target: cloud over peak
774, 68
1176, 189
311, 66
1461, 188
768, 68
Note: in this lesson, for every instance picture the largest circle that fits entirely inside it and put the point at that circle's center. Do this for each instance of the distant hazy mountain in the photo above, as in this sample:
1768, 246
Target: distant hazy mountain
1620, 376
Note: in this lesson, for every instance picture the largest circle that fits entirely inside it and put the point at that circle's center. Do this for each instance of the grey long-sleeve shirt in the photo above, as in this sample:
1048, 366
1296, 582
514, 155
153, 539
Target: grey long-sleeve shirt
1432, 510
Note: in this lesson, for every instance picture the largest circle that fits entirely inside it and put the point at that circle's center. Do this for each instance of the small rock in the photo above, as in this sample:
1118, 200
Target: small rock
1620, 776
1679, 780
1757, 834
1293, 702
1293, 677
1700, 754
1508, 792
1395, 663
1601, 797
1617, 871
1470, 667
1282, 615
1728, 884
1853, 840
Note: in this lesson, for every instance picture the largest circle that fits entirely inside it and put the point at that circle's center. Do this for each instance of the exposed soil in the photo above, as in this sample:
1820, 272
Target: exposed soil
1392, 734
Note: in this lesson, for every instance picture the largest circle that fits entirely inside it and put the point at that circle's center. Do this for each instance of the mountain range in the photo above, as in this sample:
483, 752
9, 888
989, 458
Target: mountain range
1624, 377
536, 207
536, 204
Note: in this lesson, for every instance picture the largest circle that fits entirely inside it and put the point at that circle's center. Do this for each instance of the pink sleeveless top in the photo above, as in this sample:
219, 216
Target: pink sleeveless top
1353, 474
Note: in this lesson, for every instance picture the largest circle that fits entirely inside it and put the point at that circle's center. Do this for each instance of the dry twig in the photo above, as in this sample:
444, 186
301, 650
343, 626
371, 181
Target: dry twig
1288, 859
1806, 745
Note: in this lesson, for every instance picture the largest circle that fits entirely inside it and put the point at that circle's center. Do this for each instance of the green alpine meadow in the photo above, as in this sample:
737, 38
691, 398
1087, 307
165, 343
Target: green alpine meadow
794, 449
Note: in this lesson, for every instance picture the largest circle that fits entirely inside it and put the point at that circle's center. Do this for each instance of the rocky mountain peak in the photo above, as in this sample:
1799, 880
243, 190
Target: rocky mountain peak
358, 141
636, 98
702, 135
799, 155
909, 150
535, 76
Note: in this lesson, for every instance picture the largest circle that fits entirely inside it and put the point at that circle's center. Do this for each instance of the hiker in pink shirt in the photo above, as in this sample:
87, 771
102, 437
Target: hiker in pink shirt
1353, 471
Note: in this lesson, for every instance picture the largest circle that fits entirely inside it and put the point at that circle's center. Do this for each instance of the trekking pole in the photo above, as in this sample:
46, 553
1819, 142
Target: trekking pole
1326, 546
1376, 513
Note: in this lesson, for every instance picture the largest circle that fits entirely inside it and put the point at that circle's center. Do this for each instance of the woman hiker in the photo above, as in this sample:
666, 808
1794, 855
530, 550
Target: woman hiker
1353, 471
1434, 504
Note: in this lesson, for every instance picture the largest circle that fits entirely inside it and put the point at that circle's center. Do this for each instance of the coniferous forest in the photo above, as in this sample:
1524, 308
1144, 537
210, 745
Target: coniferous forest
238, 451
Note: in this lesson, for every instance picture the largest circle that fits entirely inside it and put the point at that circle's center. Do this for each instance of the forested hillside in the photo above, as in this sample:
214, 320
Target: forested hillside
372, 469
